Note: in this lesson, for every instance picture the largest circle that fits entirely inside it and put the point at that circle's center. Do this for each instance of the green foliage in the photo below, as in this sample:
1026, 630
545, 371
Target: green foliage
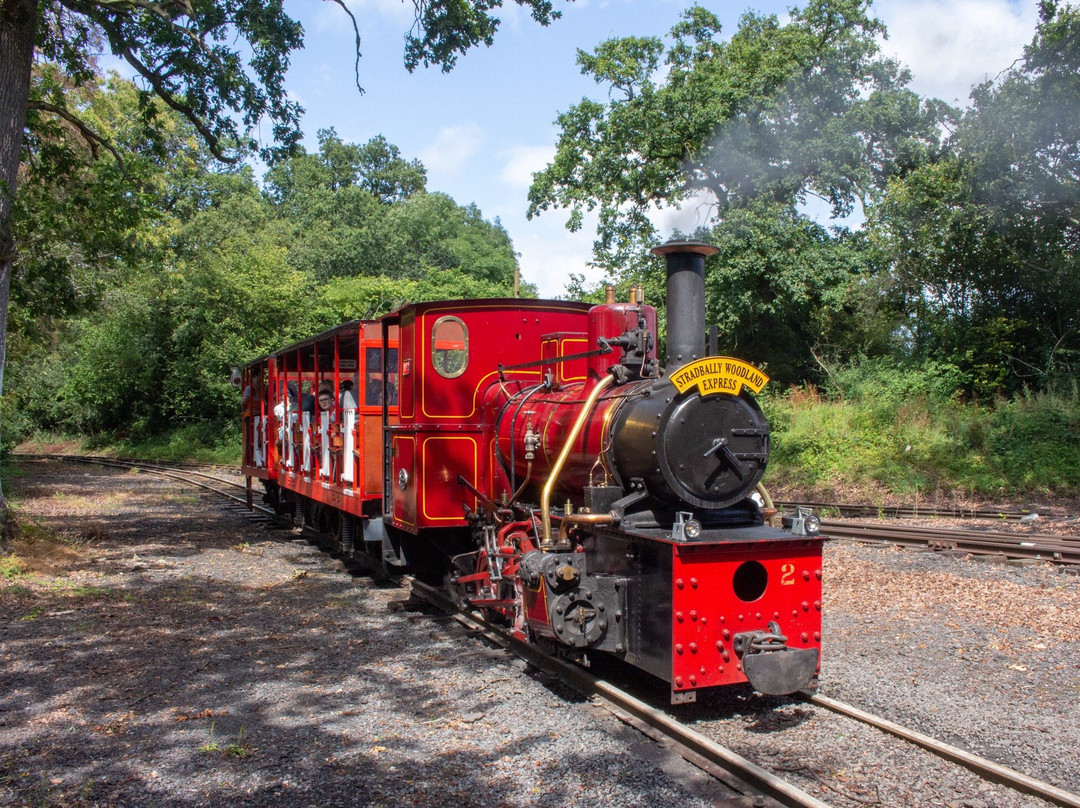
779, 289
205, 442
445, 29
134, 233
79, 217
898, 432
112, 364
777, 112
885, 382
376, 167
11, 567
188, 54
983, 243
158, 352
363, 210
746, 131
221, 273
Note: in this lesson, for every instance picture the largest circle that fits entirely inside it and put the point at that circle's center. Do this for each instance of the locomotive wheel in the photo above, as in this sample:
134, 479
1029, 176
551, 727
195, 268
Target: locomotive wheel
329, 521
481, 588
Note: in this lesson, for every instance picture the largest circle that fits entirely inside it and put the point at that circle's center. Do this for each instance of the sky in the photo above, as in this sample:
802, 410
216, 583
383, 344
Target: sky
484, 128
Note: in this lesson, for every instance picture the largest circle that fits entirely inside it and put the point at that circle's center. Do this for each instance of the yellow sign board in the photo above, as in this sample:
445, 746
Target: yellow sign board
718, 374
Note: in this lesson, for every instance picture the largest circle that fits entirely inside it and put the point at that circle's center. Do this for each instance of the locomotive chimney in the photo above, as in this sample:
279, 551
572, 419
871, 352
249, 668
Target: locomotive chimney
685, 299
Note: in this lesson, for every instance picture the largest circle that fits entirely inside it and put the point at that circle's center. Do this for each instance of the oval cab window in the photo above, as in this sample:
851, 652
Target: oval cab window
449, 347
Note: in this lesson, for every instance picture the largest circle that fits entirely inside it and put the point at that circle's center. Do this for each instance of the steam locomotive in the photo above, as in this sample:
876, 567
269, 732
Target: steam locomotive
537, 458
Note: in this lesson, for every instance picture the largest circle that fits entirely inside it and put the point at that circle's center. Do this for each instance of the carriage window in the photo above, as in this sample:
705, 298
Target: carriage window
373, 385
449, 347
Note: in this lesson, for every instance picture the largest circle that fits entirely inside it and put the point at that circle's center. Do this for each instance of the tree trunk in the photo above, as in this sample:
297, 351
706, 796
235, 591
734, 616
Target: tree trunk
18, 25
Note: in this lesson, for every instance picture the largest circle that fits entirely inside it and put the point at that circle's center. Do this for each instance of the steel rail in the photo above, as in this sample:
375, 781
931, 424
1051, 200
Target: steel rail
910, 511
986, 769
179, 464
149, 465
1040, 547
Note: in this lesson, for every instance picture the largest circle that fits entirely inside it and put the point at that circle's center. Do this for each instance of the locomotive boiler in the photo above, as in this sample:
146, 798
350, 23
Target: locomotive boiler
538, 458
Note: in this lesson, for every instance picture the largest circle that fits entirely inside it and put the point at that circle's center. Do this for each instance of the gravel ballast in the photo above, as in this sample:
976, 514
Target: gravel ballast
192, 656
197, 658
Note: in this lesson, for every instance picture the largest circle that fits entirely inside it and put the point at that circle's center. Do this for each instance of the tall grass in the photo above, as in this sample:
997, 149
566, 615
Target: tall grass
200, 443
899, 434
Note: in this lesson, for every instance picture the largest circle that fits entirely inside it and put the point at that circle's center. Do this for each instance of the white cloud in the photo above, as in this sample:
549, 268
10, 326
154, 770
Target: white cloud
522, 162
951, 45
550, 253
452, 148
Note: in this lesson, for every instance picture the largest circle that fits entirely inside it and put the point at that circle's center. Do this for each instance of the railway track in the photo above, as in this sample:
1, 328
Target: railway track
720, 761
1038, 547
986, 769
913, 511
737, 773
759, 786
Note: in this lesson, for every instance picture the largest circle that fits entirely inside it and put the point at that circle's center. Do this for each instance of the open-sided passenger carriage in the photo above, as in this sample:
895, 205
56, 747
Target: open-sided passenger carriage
325, 464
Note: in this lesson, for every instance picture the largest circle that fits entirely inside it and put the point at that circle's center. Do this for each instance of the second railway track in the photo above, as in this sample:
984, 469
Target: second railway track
1038, 547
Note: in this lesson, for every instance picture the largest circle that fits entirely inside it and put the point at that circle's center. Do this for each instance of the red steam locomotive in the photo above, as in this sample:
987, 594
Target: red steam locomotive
537, 457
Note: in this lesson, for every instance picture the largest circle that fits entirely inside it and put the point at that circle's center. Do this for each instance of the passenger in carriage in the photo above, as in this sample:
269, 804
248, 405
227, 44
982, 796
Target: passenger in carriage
326, 397
287, 403
251, 401
333, 431
285, 406
374, 390
251, 404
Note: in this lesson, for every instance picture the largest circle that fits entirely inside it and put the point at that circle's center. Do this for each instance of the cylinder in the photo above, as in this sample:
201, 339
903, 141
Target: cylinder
685, 299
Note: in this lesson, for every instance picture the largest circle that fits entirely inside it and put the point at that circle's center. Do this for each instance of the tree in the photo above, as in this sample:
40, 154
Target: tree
219, 63
356, 210
745, 132
778, 112
984, 244
376, 167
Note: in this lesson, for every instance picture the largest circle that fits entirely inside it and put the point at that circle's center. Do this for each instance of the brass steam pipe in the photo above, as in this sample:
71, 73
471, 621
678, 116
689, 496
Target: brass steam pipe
582, 519
770, 513
556, 470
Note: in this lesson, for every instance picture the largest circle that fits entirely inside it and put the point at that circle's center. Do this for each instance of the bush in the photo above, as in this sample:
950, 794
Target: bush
898, 433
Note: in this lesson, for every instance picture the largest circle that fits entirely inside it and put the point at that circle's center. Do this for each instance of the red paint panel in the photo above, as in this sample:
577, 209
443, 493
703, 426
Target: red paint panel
442, 459
323, 492
556, 345
707, 612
